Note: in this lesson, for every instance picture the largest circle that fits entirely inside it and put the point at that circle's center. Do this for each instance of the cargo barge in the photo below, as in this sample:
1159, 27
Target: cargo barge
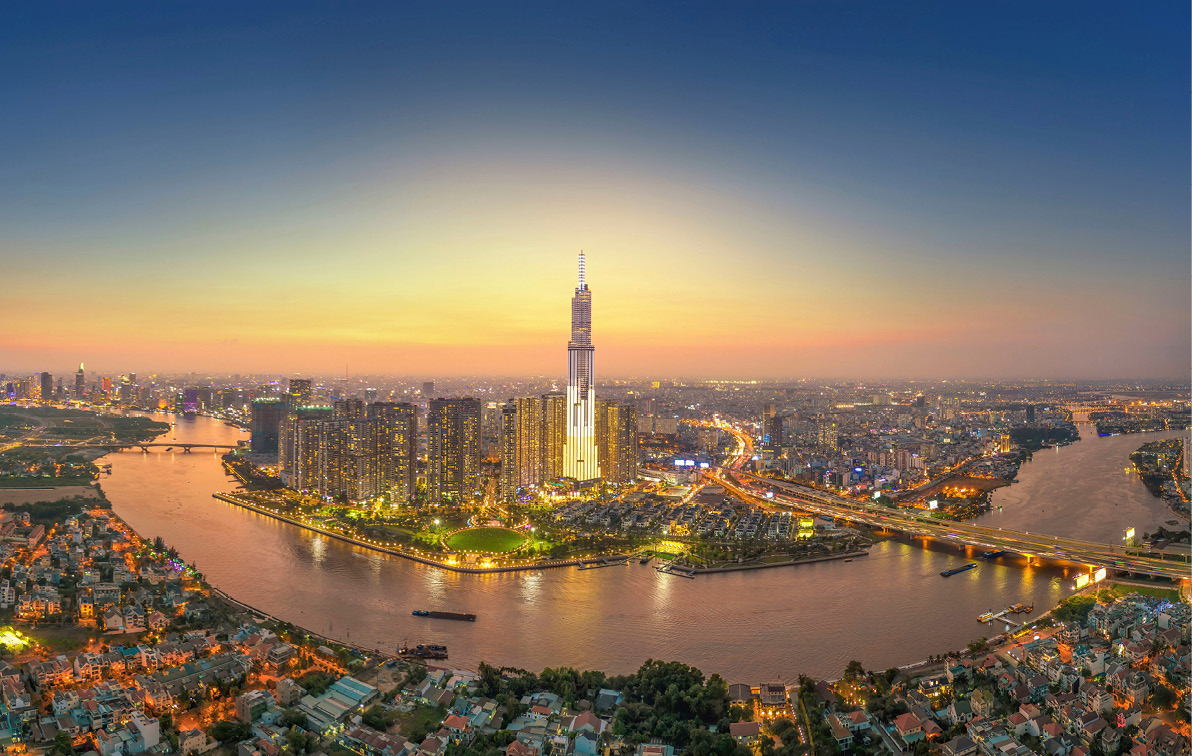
949, 573
460, 616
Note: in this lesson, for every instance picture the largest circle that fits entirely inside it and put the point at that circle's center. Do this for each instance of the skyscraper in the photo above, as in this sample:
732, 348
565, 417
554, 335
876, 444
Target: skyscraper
510, 449
300, 444
267, 415
580, 459
397, 447
616, 440
529, 441
428, 389
554, 434
771, 426
80, 387
47, 387
453, 449
301, 392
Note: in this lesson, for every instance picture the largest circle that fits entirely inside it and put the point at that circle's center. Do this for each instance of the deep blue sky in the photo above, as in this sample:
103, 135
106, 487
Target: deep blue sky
948, 163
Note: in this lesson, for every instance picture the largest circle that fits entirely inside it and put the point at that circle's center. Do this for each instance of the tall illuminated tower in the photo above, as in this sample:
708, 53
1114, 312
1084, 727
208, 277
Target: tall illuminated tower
579, 454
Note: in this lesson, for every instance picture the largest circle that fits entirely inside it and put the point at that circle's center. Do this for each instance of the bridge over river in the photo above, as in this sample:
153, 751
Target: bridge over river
1122, 558
144, 447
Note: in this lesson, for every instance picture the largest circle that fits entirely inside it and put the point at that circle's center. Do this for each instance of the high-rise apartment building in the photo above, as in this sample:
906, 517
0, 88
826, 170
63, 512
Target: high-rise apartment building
580, 458
529, 441
453, 449
397, 447
301, 392
265, 424
771, 426
510, 450
300, 442
554, 434
825, 433
616, 440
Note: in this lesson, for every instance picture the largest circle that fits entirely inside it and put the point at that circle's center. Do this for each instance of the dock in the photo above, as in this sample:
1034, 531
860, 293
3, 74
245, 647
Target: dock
605, 562
670, 569
1002, 616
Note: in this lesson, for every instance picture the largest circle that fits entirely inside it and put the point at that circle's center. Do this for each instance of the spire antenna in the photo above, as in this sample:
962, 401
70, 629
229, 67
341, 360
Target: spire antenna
581, 269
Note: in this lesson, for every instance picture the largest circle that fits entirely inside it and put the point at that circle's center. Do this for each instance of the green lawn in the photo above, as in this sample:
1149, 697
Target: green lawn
490, 540
1120, 590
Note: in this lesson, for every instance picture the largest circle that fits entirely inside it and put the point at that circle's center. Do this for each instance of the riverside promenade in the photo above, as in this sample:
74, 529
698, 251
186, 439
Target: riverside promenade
240, 502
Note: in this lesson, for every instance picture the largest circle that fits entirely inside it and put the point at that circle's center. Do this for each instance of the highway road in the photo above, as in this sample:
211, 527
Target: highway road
1141, 560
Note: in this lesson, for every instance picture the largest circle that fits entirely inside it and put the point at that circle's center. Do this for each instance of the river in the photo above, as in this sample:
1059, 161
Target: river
887, 609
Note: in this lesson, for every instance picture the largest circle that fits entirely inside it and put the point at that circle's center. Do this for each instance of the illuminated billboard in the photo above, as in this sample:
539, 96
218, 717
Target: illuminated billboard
1081, 581
1099, 575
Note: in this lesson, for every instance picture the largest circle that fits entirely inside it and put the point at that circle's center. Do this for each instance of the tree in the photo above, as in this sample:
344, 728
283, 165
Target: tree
298, 741
854, 671
62, 743
229, 730
293, 718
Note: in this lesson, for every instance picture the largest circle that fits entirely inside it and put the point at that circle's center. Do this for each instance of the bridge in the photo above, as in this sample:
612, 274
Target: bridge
1138, 560
144, 447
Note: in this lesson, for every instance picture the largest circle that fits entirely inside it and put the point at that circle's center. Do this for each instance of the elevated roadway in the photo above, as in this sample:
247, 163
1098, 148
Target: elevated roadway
1122, 558
1138, 560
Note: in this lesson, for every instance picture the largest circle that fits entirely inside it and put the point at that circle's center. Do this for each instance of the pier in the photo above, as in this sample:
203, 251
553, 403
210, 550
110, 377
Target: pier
1002, 616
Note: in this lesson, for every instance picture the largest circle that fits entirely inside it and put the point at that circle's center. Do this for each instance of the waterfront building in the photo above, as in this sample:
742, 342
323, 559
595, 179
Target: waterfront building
453, 449
301, 392
265, 424
80, 386
396, 447
510, 450
299, 444
529, 441
347, 459
579, 455
553, 435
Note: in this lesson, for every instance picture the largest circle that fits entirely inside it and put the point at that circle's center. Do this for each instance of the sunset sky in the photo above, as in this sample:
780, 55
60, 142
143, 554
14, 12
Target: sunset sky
791, 190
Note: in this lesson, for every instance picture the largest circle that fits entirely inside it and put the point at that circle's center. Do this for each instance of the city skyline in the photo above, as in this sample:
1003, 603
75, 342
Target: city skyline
811, 192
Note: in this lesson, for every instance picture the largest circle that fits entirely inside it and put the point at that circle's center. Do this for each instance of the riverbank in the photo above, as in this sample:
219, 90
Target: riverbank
535, 566
767, 565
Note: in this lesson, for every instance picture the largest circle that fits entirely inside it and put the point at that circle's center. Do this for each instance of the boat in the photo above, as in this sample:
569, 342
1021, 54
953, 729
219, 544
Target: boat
965, 568
462, 617
429, 651
993, 554
985, 617
1022, 608
849, 559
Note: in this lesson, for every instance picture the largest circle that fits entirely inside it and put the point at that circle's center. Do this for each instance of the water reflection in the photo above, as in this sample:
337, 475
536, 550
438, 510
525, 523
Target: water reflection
889, 608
